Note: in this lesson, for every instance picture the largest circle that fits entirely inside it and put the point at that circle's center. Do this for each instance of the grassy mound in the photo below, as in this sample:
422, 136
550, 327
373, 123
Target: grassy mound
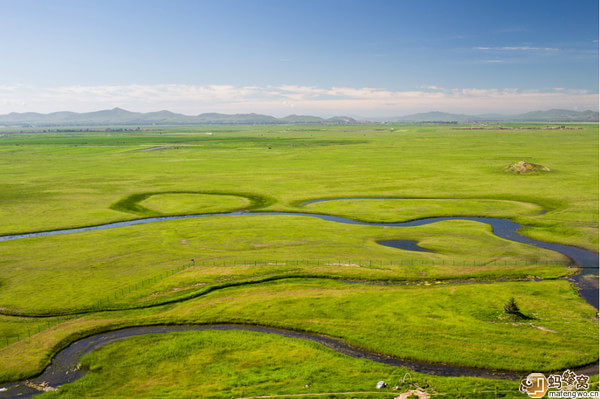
523, 167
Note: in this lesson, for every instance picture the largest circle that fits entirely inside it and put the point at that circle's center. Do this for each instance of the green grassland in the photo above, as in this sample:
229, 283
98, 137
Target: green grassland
51, 182
466, 322
395, 210
241, 364
292, 271
79, 270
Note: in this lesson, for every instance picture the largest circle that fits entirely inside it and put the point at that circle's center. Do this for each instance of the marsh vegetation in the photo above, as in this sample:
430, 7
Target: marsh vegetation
291, 271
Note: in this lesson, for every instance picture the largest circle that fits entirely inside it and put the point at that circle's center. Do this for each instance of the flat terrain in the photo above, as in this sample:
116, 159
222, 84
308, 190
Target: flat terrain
290, 270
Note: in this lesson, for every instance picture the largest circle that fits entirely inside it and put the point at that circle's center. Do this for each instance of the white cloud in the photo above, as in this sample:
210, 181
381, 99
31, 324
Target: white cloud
515, 48
280, 100
10, 88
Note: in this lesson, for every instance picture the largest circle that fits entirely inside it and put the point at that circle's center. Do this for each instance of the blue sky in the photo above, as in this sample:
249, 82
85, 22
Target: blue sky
326, 57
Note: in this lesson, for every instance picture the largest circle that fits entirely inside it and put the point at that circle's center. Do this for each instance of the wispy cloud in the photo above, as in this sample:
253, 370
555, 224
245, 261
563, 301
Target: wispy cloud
284, 99
515, 48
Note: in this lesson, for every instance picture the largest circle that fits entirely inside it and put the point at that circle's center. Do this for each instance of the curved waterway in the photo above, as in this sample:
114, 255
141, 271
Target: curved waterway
63, 368
502, 228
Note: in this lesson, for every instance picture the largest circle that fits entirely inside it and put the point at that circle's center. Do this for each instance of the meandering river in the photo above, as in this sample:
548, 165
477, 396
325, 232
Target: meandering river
63, 368
503, 228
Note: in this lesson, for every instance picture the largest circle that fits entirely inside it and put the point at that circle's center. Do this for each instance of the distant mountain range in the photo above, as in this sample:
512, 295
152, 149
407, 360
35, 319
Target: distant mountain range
118, 116
553, 115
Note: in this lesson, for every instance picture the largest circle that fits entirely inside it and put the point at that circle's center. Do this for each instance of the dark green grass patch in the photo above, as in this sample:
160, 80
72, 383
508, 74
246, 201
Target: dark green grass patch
189, 202
148, 139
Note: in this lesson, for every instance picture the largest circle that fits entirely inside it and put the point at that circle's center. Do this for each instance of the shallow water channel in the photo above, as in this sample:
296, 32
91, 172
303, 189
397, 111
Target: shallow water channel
64, 366
503, 228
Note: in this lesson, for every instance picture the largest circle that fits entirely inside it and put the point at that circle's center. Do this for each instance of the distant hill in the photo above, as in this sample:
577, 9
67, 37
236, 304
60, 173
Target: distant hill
434, 117
119, 116
553, 115
340, 119
302, 119
213, 118
558, 115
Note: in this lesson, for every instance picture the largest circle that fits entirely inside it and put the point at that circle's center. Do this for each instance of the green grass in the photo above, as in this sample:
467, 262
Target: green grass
466, 322
60, 180
193, 203
80, 269
398, 210
216, 364
185, 203
48, 184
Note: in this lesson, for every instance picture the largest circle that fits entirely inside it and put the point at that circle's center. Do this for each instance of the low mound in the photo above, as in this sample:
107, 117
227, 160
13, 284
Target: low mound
523, 167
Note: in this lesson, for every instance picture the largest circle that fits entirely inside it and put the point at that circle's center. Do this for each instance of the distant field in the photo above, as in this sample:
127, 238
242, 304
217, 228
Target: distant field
59, 180
290, 270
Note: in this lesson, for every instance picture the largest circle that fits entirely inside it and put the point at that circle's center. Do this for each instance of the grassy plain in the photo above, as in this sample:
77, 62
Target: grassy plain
59, 180
242, 364
79, 270
466, 322
62, 180
396, 210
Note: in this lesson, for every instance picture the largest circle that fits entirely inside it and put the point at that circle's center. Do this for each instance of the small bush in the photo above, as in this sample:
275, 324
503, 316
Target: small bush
512, 307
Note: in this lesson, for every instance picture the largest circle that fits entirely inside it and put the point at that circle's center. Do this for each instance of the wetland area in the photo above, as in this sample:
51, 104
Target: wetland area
260, 261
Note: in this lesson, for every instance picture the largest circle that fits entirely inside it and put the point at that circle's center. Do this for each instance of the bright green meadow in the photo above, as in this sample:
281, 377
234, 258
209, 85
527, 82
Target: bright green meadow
242, 364
292, 271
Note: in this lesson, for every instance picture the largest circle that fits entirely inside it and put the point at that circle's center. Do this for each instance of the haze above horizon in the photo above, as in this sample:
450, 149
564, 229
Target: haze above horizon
325, 58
